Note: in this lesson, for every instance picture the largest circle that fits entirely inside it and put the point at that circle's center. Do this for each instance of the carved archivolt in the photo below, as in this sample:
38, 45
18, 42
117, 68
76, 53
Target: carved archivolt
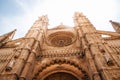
61, 38
61, 65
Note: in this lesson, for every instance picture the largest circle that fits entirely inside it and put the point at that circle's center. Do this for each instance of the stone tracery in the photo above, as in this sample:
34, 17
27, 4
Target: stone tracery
61, 38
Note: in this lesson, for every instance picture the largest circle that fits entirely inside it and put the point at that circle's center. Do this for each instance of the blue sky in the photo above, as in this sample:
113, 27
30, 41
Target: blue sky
21, 14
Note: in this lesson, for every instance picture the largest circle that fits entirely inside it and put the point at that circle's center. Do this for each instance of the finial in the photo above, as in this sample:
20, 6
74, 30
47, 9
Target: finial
78, 14
61, 23
110, 20
15, 30
43, 18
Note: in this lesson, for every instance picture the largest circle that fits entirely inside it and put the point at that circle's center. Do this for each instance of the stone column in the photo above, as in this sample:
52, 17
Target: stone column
28, 50
37, 31
86, 31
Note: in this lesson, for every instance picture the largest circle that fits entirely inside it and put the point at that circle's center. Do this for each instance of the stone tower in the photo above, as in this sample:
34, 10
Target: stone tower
61, 53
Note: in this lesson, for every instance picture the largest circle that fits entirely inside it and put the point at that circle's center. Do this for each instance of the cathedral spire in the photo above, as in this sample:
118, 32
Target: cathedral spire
80, 19
116, 26
38, 27
6, 37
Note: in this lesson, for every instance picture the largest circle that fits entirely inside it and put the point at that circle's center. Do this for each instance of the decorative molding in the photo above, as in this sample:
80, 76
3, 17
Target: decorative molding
63, 53
60, 62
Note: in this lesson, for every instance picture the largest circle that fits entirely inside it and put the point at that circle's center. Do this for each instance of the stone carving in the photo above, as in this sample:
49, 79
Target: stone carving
61, 39
78, 53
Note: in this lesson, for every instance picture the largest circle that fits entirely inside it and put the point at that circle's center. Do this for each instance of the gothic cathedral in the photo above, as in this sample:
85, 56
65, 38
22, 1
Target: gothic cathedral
61, 53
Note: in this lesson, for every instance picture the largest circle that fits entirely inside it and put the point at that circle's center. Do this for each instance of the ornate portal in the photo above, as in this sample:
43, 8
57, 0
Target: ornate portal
61, 76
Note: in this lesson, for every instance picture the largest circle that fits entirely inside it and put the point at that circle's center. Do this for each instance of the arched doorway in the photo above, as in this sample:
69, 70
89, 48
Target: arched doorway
61, 76
66, 69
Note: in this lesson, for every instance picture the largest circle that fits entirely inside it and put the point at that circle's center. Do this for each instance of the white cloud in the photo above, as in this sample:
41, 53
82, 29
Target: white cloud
98, 11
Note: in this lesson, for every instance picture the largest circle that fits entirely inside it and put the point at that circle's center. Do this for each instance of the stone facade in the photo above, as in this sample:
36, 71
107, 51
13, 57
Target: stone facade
61, 53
